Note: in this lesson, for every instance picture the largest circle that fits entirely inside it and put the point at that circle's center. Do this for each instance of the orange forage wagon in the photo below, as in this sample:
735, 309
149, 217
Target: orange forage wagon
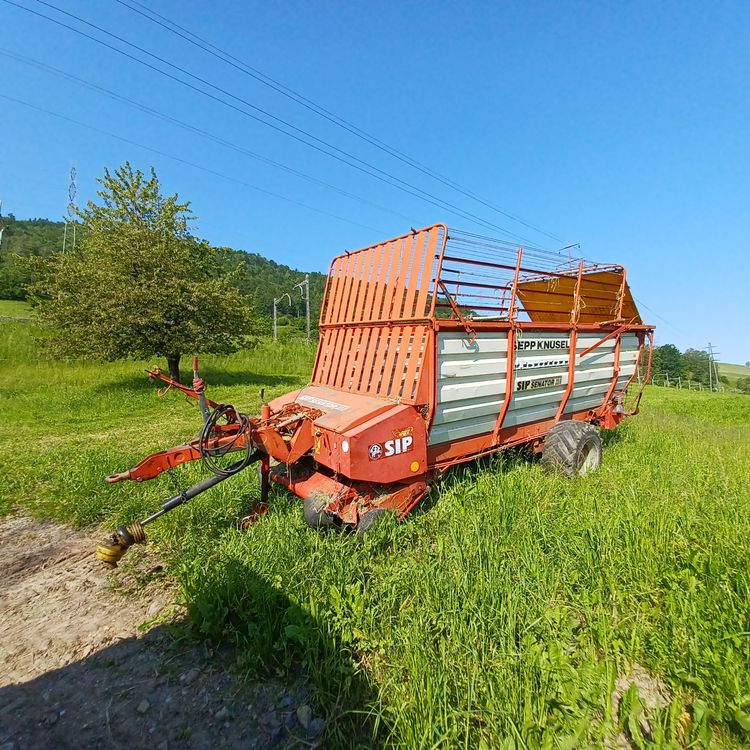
435, 348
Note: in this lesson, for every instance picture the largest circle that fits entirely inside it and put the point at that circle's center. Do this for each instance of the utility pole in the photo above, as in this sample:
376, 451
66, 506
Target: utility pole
304, 288
276, 301
2, 229
713, 370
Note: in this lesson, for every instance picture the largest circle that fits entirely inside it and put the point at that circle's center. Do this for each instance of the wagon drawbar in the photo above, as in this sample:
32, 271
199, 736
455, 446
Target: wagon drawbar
435, 348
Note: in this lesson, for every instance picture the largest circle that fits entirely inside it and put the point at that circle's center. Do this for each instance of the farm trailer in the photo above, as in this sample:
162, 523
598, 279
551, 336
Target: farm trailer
435, 348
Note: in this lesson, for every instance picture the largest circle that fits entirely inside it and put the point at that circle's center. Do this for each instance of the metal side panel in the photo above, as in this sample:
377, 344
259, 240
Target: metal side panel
594, 373
541, 376
470, 384
452, 344
486, 363
468, 409
482, 386
456, 430
471, 379
583, 403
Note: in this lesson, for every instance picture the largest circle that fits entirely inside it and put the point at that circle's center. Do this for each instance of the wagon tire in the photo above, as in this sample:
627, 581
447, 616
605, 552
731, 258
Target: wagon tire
315, 515
572, 449
371, 520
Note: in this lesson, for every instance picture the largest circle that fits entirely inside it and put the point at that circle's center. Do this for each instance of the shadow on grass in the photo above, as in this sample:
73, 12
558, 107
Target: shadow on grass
612, 437
163, 691
275, 634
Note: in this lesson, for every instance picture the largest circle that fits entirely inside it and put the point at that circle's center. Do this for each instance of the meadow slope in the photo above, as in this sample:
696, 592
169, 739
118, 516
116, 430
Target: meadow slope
734, 371
499, 615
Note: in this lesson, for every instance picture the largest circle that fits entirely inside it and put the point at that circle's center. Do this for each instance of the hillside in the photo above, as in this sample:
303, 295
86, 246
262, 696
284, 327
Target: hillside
734, 371
24, 237
264, 280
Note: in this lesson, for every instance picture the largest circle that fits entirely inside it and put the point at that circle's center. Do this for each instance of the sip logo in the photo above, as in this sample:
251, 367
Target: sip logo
375, 451
391, 447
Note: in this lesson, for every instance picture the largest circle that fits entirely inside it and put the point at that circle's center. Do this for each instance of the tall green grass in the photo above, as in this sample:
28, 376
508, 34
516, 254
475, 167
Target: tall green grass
10, 308
498, 615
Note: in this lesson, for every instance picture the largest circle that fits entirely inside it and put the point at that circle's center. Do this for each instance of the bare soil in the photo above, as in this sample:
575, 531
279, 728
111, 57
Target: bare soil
87, 658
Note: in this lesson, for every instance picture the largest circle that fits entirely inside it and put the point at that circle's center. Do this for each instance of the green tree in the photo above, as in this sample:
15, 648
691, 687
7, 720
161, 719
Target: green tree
138, 284
743, 385
696, 364
22, 240
666, 360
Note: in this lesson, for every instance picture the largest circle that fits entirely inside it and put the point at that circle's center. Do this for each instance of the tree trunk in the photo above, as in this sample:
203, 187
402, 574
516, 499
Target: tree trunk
174, 367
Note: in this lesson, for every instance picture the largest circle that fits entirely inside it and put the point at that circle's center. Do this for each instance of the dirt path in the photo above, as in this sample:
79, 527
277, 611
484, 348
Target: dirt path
82, 665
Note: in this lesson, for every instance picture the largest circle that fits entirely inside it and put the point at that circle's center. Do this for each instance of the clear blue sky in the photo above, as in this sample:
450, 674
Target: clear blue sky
622, 126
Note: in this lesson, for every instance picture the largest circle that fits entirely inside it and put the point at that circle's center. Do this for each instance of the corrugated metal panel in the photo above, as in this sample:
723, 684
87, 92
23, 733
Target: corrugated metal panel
628, 360
539, 402
594, 373
470, 385
472, 379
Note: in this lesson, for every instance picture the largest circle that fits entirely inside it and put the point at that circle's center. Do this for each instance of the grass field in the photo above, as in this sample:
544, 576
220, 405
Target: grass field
10, 308
499, 615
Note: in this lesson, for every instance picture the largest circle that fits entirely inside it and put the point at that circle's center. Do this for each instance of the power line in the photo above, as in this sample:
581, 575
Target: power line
186, 162
362, 165
205, 134
656, 315
266, 80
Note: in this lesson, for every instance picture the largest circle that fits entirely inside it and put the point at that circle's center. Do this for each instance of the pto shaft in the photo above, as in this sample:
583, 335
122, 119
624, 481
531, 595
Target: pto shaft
111, 551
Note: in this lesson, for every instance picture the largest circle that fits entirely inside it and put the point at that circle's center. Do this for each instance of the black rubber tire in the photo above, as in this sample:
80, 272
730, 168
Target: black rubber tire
572, 449
315, 516
371, 519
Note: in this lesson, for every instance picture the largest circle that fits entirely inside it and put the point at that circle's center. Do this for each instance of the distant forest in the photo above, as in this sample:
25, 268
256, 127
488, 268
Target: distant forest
262, 280
669, 364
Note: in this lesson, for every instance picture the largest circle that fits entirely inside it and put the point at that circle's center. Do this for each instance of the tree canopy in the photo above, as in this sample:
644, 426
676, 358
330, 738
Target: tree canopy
22, 239
692, 365
138, 283
263, 280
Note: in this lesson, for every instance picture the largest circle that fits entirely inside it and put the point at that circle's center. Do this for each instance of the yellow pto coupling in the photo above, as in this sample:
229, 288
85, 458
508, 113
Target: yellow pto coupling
111, 551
